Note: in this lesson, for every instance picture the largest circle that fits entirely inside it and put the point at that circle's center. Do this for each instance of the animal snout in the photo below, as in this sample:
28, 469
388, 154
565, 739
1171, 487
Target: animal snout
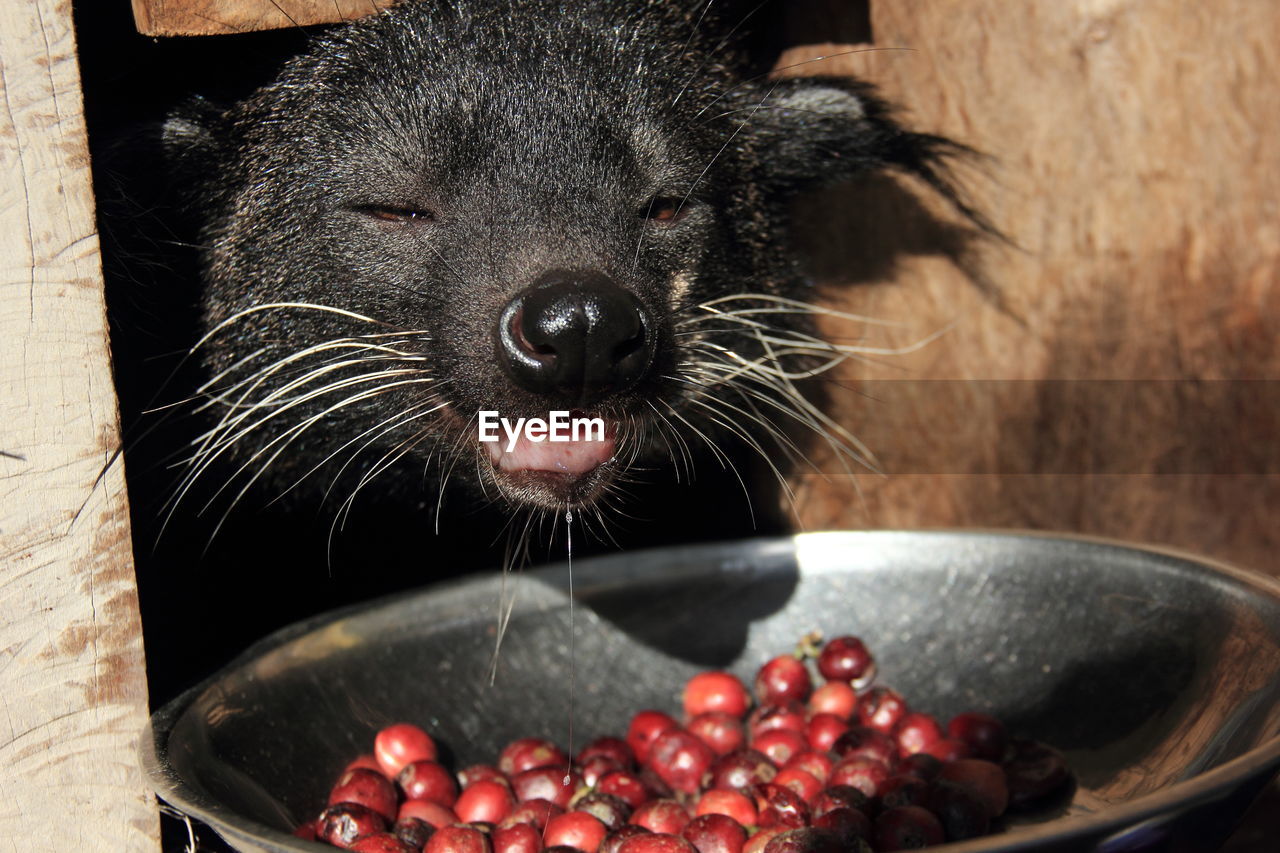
575, 338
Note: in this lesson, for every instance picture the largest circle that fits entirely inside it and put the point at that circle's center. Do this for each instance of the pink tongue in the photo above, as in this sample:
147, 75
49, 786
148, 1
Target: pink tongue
558, 457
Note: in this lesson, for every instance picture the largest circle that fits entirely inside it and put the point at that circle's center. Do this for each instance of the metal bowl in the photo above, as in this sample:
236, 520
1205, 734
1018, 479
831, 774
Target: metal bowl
1156, 673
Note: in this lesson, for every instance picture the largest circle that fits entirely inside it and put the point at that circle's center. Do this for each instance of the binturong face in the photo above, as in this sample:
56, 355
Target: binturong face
440, 220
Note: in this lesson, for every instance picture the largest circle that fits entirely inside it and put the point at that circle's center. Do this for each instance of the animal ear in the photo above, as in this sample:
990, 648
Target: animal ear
817, 131
193, 137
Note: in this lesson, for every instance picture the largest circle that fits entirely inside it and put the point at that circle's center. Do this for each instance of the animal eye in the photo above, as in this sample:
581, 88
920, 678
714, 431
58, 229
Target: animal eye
666, 210
392, 213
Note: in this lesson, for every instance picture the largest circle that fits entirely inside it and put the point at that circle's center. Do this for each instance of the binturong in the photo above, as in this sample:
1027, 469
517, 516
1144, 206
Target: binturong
518, 207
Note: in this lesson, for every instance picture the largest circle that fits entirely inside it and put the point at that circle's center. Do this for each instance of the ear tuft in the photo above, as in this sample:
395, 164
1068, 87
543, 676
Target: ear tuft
812, 132
193, 137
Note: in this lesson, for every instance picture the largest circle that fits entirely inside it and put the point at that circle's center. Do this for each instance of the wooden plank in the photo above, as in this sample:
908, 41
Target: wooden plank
1136, 165
71, 662
218, 17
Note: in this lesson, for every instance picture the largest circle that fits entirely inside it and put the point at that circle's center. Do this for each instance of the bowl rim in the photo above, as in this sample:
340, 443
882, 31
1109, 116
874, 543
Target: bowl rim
1213, 784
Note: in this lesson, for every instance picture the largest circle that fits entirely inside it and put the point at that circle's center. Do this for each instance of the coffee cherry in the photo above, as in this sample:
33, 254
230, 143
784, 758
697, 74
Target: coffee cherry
644, 729
947, 749
715, 833
382, 842
842, 797
516, 838
399, 744
368, 761
556, 784
916, 732
656, 842
865, 774
428, 780
881, 709
802, 783
614, 748
625, 785
718, 730
733, 804
661, 816
985, 735
781, 680
576, 829
863, 742
806, 839
845, 659
614, 840
740, 769
535, 812
849, 825
907, 828
985, 779
345, 823
824, 729
484, 801
816, 764
412, 831
779, 806
458, 839
611, 811
527, 753
715, 691
921, 764
368, 788
430, 813
960, 810
780, 744
903, 790
834, 697
769, 717
680, 759
481, 773
761, 837
1036, 770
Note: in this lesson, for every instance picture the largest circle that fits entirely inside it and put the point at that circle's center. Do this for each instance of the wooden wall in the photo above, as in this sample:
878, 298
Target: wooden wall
71, 668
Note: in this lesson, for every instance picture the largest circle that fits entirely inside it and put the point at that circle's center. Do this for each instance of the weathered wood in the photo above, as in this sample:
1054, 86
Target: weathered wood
71, 664
218, 17
1136, 165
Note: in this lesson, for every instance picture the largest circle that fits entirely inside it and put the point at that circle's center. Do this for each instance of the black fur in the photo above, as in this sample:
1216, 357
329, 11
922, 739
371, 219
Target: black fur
419, 167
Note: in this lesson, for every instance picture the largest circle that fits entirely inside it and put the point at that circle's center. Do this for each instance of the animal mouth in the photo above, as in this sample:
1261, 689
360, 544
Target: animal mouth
554, 473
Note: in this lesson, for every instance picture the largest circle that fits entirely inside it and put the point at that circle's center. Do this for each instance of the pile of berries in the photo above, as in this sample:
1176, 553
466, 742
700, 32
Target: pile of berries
846, 767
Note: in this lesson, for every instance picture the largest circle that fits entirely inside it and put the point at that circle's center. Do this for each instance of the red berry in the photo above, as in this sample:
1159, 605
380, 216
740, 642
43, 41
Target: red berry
608, 747
345, 823
780, 744
398, 744
412, 831
823, 730
834, 697
799, 781
718, 730
805, 839
595, 768
556, 784
488, 802
903, 790
768, 717
715, 691
625, 785
661, 816
881, 709
865, 774
516, 838
985, 779
534, 812
841, 797
907, 828
760, 839
306, 831
655, 842
849, 825
576, 829
382, 842
614, 840
715, 833
734, 804
680, 759
368, 761
458, 839
479, 773
612, 811
431, 813
526, 753
368, 788
863, 742
984, 734
921, 764
644, 729
783, 679
1035, 770
916, 732
740, 769
816, 764
845, 659
960, 811
428, 780
779, 806
947, 749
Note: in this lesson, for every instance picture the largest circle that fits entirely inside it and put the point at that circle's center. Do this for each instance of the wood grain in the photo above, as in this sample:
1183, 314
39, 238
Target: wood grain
71, 663
1136, 166
219, 17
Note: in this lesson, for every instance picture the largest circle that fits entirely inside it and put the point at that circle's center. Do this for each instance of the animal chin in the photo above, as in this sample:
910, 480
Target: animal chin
553, 474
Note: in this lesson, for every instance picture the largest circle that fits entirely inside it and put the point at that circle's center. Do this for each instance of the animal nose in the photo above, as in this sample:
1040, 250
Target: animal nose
575, 337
